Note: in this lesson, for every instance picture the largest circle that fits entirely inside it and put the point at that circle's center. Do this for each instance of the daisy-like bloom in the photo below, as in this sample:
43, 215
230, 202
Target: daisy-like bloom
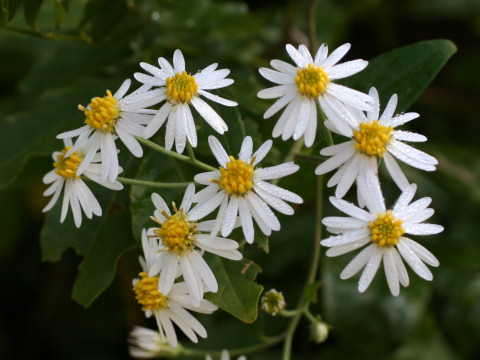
147, 344
181, 89
111, 116
225, 356
181, 239
76, 195
312, 79
272, 302
374, 138
238, 187
171, 307
384, 232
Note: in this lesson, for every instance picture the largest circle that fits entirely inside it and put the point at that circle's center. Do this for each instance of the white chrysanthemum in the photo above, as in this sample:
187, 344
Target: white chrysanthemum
147, 344
225, 356
109, 117
181, 239
383, 231
180, 89
238, 187
168, 308
312, 79
76, 194
374, 137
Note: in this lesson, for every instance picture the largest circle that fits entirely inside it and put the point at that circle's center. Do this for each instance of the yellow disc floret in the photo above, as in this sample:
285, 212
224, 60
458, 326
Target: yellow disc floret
67, 166
311, 80
372, 138
147, 294
386, 230
181, 87
177, 233
102, 113
237, 177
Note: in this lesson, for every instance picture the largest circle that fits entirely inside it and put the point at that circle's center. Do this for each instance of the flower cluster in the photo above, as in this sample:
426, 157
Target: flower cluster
175, 275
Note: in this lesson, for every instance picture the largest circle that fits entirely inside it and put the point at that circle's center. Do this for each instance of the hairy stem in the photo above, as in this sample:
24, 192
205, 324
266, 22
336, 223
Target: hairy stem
174, 155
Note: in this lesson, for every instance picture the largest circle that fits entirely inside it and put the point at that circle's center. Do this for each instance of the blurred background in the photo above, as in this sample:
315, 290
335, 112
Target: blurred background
55, 55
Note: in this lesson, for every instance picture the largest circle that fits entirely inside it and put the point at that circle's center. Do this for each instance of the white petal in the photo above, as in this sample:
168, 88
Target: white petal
413, 261
275, 172
230, 216
263, 211
157, 120
395, 171
370, 270
218, 151
423, 254
262, 151
358, 262
195, 287
130, 142
274, 202
337, 55
391, 272
187, 198
284, 67
408, 136
279, 192
350, 209
217, 98
412, 156
245, 153
346, 69
276, 91
246, 220
405, 198
210, 116
403, 118
159, 203
280, 104
203, 209
422, 229
276, 76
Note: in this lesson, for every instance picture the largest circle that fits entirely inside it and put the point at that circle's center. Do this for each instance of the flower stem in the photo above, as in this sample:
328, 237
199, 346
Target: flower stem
174, 155
151, 183
268, 342
311, 26
312, 273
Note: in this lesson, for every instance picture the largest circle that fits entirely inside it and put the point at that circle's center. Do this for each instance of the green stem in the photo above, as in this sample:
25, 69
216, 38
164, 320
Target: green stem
190, 151
288, 313
311, 26
312, 273
48, 36
269, 342
151, 183
174, 155
310, 316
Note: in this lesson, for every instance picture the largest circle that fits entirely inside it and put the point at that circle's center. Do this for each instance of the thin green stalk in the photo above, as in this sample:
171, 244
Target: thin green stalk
312, 273
289, 313
269, 342
160, 185
326, 132
311, 26
310, 316
190, 151
174, 155
48, 36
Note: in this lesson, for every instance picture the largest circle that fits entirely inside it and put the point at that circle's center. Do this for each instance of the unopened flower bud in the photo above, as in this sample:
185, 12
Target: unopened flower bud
318, 331
273, 302
148, 343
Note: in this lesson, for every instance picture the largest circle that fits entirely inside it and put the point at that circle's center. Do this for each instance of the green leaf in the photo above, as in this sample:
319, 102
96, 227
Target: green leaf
56, 237
97, 270
405, 71
237, 294
32, 9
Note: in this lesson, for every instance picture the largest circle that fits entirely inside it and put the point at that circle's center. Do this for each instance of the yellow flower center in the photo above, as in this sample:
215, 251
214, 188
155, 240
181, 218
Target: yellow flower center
102, 113
311, 80
67, 167
177, 233
147, 294
181, 87
373, 138
237, 177
386, 230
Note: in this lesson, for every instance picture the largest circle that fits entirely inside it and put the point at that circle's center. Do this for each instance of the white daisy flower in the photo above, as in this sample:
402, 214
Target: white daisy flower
171, 307
180, 90
312, 79
76, 195
109, 117
374, 138
182, 246
147, 344
383, 232
225, 356
238, 187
